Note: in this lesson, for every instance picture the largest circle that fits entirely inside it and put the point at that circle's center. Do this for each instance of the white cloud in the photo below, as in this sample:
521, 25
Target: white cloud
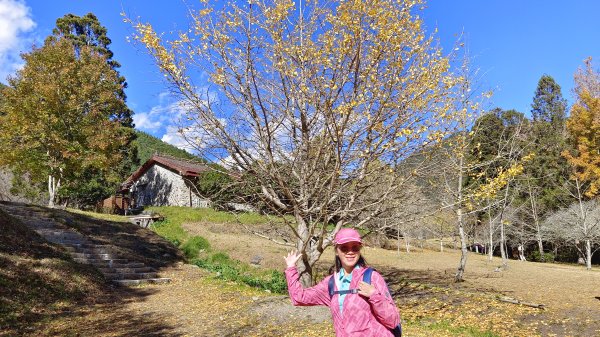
174, 137
160, 116
15, 21
143, 121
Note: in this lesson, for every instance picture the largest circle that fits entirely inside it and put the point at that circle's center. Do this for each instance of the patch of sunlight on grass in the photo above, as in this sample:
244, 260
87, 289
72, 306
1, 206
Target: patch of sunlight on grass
101, 216
187, 214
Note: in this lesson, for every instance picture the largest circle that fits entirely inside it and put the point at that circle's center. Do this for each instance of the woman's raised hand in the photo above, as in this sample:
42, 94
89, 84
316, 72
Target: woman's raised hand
366, 289
292, 258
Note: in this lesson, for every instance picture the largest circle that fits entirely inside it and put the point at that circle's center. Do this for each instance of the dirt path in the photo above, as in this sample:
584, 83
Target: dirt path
195, 304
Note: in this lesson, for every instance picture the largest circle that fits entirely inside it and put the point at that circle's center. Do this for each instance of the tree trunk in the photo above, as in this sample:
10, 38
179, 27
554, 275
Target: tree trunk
588, 254
310, 251
540, 248
461, 231
398, 239
406, 242
521, 253
441, 245
503, 252
491, 238
502, 232
463, 249
53, 186
536, 220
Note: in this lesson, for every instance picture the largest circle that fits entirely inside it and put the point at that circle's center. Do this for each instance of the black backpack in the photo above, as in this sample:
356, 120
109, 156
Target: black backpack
397, 331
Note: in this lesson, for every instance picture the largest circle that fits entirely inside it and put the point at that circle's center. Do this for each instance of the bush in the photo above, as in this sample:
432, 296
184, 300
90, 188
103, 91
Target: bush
192, 247
546, 257
220, 258
233, 270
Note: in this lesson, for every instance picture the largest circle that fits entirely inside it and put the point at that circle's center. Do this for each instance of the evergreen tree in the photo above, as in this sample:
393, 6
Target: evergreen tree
86, 31
548, 170
548, 104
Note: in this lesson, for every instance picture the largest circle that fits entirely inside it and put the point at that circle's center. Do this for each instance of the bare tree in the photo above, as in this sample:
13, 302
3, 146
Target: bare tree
578, 224
314, 100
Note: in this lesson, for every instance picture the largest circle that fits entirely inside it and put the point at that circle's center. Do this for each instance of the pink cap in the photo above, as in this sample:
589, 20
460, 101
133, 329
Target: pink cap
346, 235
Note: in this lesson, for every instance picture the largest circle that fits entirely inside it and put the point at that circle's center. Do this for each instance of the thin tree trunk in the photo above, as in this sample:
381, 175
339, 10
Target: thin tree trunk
53, 186
536, 220
503, 246
588, 254
491, 236
398, 238
459, 277
502, 232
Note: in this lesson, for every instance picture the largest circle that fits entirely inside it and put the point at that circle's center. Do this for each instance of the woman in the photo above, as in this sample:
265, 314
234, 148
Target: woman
367, 311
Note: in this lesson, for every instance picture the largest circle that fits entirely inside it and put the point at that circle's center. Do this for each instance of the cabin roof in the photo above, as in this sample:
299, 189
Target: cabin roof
186, 168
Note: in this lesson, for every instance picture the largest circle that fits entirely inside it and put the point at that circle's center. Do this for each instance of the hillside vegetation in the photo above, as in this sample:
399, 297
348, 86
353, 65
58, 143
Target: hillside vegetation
148, 145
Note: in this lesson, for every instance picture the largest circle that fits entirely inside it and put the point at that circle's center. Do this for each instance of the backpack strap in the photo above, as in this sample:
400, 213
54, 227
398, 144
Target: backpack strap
367, 275
330, 285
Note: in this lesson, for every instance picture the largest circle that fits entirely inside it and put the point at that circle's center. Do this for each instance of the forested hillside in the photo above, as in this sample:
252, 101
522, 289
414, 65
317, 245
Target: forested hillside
148, 145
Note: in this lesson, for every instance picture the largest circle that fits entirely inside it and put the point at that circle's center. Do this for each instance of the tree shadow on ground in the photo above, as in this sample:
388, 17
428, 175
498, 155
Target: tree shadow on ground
43, 292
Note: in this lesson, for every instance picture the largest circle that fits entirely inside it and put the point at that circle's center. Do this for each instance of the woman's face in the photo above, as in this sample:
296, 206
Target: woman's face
349, 253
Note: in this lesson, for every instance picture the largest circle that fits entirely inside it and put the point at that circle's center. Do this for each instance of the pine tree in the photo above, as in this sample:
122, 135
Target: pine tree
548, 170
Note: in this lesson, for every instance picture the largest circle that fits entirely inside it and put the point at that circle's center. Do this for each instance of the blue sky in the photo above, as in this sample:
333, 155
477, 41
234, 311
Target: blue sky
512, 42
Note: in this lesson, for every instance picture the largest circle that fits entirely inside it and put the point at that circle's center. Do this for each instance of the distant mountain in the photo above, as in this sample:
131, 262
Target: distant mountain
149, 145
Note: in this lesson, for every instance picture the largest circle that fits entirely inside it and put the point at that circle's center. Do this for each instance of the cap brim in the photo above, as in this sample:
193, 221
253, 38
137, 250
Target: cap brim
346, 240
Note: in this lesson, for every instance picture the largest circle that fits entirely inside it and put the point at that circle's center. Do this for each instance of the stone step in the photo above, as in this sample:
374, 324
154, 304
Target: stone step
126, 270
92, 256
86, 245
61, 241
131, 276
29, 216
42, 225
57, 231
120, 271
76, 249
63, 236
101, 262
141, 282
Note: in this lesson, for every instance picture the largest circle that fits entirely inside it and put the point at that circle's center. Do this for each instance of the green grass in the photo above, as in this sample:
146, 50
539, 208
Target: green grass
228, 269
101, 216
192, 247
171, 228
447, 326
198, 250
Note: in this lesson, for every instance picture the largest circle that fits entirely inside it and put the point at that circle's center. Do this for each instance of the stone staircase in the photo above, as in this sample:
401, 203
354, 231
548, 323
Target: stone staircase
118, 270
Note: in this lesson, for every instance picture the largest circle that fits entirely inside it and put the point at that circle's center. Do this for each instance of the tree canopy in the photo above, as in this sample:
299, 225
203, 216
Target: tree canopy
312, 99
58, 110
583, 127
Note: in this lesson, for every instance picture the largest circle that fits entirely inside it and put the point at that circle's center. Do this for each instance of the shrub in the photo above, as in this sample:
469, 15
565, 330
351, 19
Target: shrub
546, 257
194, 245
220, 258
233, 270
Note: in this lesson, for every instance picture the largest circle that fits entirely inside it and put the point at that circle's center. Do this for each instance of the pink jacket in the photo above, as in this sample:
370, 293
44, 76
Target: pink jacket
364, 317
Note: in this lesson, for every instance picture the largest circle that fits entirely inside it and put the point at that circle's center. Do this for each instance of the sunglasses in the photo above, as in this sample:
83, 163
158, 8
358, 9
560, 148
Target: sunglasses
350, 248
